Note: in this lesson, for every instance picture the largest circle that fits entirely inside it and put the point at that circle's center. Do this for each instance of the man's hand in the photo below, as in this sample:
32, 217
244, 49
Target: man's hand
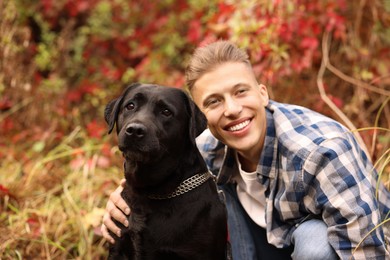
116, 208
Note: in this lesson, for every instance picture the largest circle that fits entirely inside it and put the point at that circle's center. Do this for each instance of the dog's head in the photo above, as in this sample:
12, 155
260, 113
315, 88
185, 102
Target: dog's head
152, 120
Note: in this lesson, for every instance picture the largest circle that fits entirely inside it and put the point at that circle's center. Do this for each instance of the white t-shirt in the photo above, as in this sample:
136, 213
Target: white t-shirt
251, 195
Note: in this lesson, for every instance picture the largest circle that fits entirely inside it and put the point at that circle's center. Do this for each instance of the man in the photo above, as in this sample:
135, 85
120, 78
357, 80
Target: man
296, 182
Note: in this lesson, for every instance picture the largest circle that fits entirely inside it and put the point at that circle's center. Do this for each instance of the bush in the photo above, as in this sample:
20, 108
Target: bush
62, 61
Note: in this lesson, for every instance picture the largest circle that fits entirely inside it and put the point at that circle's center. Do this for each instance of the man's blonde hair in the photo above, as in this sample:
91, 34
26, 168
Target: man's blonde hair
205, 59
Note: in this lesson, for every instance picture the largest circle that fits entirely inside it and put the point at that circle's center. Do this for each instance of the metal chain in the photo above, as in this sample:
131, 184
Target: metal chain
186, 186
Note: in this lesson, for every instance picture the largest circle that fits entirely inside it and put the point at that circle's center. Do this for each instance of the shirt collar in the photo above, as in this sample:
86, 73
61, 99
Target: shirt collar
267, 162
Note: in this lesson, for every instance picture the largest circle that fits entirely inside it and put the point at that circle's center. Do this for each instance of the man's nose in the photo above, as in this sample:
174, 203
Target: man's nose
232, 108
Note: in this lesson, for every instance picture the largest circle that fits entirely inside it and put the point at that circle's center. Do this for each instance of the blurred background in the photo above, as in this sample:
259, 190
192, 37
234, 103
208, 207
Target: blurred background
62, 61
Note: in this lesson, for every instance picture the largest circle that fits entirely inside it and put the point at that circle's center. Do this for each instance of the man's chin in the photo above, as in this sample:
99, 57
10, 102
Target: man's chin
236, 144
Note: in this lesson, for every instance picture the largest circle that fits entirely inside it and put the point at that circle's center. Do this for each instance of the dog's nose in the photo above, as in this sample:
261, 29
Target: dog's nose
136, 130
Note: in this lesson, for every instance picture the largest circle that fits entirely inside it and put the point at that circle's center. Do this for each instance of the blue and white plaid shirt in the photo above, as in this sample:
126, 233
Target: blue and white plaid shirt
312, 166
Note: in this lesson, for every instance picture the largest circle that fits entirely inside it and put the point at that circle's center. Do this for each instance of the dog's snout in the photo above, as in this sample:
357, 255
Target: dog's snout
136, 130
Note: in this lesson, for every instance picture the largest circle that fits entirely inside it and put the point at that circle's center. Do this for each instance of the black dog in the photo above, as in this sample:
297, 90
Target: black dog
176, 212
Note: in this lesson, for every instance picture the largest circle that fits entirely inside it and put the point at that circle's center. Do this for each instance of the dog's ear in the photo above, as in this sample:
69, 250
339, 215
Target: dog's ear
111, 113
112, 109
198, 121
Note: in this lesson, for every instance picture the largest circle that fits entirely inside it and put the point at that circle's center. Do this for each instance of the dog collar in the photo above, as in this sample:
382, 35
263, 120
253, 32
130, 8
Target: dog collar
184, 187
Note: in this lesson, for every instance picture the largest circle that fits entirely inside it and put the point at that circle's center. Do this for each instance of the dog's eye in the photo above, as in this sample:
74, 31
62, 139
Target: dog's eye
130, 106
166, 112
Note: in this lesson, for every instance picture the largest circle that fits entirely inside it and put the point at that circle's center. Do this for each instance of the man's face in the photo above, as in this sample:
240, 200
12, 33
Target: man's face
234, 104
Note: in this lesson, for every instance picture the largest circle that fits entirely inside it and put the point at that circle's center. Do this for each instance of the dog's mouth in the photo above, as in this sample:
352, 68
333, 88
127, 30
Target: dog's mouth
140, 152
138, 157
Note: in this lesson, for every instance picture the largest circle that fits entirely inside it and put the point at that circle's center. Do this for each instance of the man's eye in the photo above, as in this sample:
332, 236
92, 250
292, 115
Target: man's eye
130, 106
212, 103
242, 90
166, 112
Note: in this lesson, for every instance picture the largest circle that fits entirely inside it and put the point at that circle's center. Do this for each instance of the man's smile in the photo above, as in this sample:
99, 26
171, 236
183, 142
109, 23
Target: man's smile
238, 127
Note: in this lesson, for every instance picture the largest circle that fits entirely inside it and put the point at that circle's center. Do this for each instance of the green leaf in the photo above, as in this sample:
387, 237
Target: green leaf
38, 146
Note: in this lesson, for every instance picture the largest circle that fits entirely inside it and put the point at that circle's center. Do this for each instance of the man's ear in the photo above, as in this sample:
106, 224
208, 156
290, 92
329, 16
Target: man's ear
111, 112
198, 121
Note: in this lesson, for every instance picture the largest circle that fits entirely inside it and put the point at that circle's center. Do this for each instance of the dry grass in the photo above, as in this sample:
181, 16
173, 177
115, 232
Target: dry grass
55, 202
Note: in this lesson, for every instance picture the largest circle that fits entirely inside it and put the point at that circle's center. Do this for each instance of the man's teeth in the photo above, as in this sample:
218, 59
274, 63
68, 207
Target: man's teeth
239, 126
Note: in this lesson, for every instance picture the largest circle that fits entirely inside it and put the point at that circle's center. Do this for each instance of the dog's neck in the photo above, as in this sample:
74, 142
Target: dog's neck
140, 179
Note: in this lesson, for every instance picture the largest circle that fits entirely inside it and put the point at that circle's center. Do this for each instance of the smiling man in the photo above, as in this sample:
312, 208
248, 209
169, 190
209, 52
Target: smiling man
234, 104
297, 184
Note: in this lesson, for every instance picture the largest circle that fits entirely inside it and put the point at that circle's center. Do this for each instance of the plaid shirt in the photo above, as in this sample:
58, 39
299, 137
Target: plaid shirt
312, 167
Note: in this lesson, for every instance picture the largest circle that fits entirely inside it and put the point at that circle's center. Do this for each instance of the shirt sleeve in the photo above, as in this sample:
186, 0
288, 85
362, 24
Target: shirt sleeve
341, 190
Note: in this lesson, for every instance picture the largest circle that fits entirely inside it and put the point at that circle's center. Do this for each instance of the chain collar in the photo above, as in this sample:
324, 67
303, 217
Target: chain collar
186, 186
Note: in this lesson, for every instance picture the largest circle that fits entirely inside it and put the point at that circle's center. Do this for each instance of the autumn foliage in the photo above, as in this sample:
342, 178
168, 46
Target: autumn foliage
61, 61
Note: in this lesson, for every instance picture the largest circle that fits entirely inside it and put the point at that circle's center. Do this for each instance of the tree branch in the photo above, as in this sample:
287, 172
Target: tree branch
327, 100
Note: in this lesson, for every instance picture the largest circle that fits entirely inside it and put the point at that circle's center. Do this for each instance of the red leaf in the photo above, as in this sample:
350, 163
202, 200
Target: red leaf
337, 101
194, 33
95, 129
85, 87
5, 104
285, 32
77, 6
122, 47
35, 226
47, 6
4, 190
74, 95
7, 125
225, 9
309, 43
37, 78
20, 135
109, 73
180, 81
32, 221
88, 87
106, 149
336, 23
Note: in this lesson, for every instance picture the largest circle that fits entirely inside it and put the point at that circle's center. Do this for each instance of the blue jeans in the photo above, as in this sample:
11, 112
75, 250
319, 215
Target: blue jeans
249, 241
310, 241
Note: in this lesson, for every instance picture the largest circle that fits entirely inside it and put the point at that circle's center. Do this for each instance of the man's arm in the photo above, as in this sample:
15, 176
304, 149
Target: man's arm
117, 209
345, 197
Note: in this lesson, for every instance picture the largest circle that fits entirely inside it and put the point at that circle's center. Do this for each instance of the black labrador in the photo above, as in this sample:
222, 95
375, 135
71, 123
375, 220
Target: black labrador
176, 212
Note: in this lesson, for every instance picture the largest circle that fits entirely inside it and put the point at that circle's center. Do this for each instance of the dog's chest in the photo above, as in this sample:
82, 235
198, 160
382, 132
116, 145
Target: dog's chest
165, 223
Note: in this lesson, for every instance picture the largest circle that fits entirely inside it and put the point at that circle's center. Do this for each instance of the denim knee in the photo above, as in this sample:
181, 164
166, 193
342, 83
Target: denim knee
310, 241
